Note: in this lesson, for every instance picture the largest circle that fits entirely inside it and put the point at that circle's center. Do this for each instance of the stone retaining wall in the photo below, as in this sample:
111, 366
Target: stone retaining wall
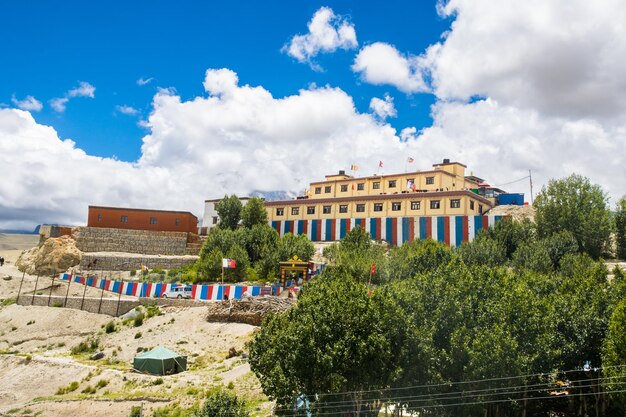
100, 239
112, 262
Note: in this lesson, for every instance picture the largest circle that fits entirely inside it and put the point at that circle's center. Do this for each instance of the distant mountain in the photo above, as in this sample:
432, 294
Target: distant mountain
274, 195
20, 232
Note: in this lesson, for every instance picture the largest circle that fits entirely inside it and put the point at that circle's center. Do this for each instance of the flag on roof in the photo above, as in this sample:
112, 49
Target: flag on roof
354, 167
229, 263
410, 160
380, 164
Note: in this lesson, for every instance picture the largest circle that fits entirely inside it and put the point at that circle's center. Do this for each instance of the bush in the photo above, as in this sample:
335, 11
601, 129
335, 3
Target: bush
222, 404
138, 321
157, 381
137, 335
102, 383
110, 327
86, 346
57, 304
89, 390
133, 272
73, 386
135, 411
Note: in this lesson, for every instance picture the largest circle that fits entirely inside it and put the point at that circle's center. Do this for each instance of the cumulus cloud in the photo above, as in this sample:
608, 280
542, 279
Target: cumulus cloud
238, 139
128, 110
381, 63
30, 103
383, 108
58, 104
143, 81
84, 89
562, 58
327, 33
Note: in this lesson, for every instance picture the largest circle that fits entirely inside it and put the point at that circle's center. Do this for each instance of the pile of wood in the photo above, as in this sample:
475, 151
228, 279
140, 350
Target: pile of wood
249, 310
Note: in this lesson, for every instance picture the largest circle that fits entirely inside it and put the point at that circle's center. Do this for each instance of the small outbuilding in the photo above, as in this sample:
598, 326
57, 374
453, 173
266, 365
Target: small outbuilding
160, 361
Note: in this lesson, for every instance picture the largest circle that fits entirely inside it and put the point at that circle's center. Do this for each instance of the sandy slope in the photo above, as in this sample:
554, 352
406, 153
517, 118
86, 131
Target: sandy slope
35, 359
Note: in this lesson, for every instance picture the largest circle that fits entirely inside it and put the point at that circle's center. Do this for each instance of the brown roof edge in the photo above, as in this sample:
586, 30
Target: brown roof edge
380, 197
432, 171
138, 209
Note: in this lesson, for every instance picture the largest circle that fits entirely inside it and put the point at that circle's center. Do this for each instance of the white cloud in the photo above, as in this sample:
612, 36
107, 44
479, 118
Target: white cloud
563, 58
327, 33
408, 133
381, 63
30, 103
143, 81
58, 104
383, 108
219, 82
84, 89
131, 111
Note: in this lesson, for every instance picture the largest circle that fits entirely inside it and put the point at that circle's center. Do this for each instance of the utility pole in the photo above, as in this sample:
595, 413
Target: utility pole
530, 177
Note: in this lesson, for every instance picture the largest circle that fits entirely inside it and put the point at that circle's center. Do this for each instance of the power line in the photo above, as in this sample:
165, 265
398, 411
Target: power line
471, 393
512, 182
527, 399
452, 383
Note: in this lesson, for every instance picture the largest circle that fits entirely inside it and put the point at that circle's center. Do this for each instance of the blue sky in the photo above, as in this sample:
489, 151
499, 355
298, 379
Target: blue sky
53, 46
243, 97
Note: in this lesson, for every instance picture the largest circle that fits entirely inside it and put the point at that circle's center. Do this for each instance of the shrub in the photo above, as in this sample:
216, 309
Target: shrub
138, 321
8, 301
86, 346
133, 272
89, 390
135, 411
157, 381
73, 386
137, 335
102, 383
222, 404
110, 327
57, 304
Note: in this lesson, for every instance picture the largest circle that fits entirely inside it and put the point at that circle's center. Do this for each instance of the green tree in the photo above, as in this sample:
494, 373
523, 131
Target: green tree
220, 244
575, 205
295, 245
222, 404
254, 213
420, 256
229, 210
337, 342
355, 254
620, 228
510, 234
483, 251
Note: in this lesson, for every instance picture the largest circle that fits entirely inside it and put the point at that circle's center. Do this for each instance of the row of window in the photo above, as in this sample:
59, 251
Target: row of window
360, 207
124, 219
375, 185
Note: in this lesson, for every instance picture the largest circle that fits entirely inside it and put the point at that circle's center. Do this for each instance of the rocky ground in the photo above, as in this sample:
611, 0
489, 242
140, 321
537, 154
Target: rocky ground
40, 375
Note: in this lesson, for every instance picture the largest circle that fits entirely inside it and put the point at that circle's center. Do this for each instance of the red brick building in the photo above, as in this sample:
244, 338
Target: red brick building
142, 219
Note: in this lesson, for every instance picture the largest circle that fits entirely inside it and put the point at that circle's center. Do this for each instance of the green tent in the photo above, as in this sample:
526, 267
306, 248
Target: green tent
160, 361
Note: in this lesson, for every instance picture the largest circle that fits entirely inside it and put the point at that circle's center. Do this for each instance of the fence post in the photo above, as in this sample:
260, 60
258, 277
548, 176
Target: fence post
51, 286
19, 291
32, 301
69, 282
84, 291
119, 298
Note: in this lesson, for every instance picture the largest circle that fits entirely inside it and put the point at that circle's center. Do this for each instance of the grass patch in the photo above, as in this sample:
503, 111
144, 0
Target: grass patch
110, 327
102, 383
8, 301
57, 304
138, 321
89, 390
73, 386
157, 381
86, 346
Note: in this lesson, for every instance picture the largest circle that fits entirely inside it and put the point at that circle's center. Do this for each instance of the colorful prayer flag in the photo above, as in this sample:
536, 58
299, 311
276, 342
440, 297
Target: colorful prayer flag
380, 164
410, 160
354, 168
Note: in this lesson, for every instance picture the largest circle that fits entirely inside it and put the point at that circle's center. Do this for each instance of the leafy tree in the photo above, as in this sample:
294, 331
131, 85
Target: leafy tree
575, 205
337, 342
220, 244
510, 234
483, 251
355, 254
229, 210
620, 228
418, 257
222, 404
295, 245
254, 213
